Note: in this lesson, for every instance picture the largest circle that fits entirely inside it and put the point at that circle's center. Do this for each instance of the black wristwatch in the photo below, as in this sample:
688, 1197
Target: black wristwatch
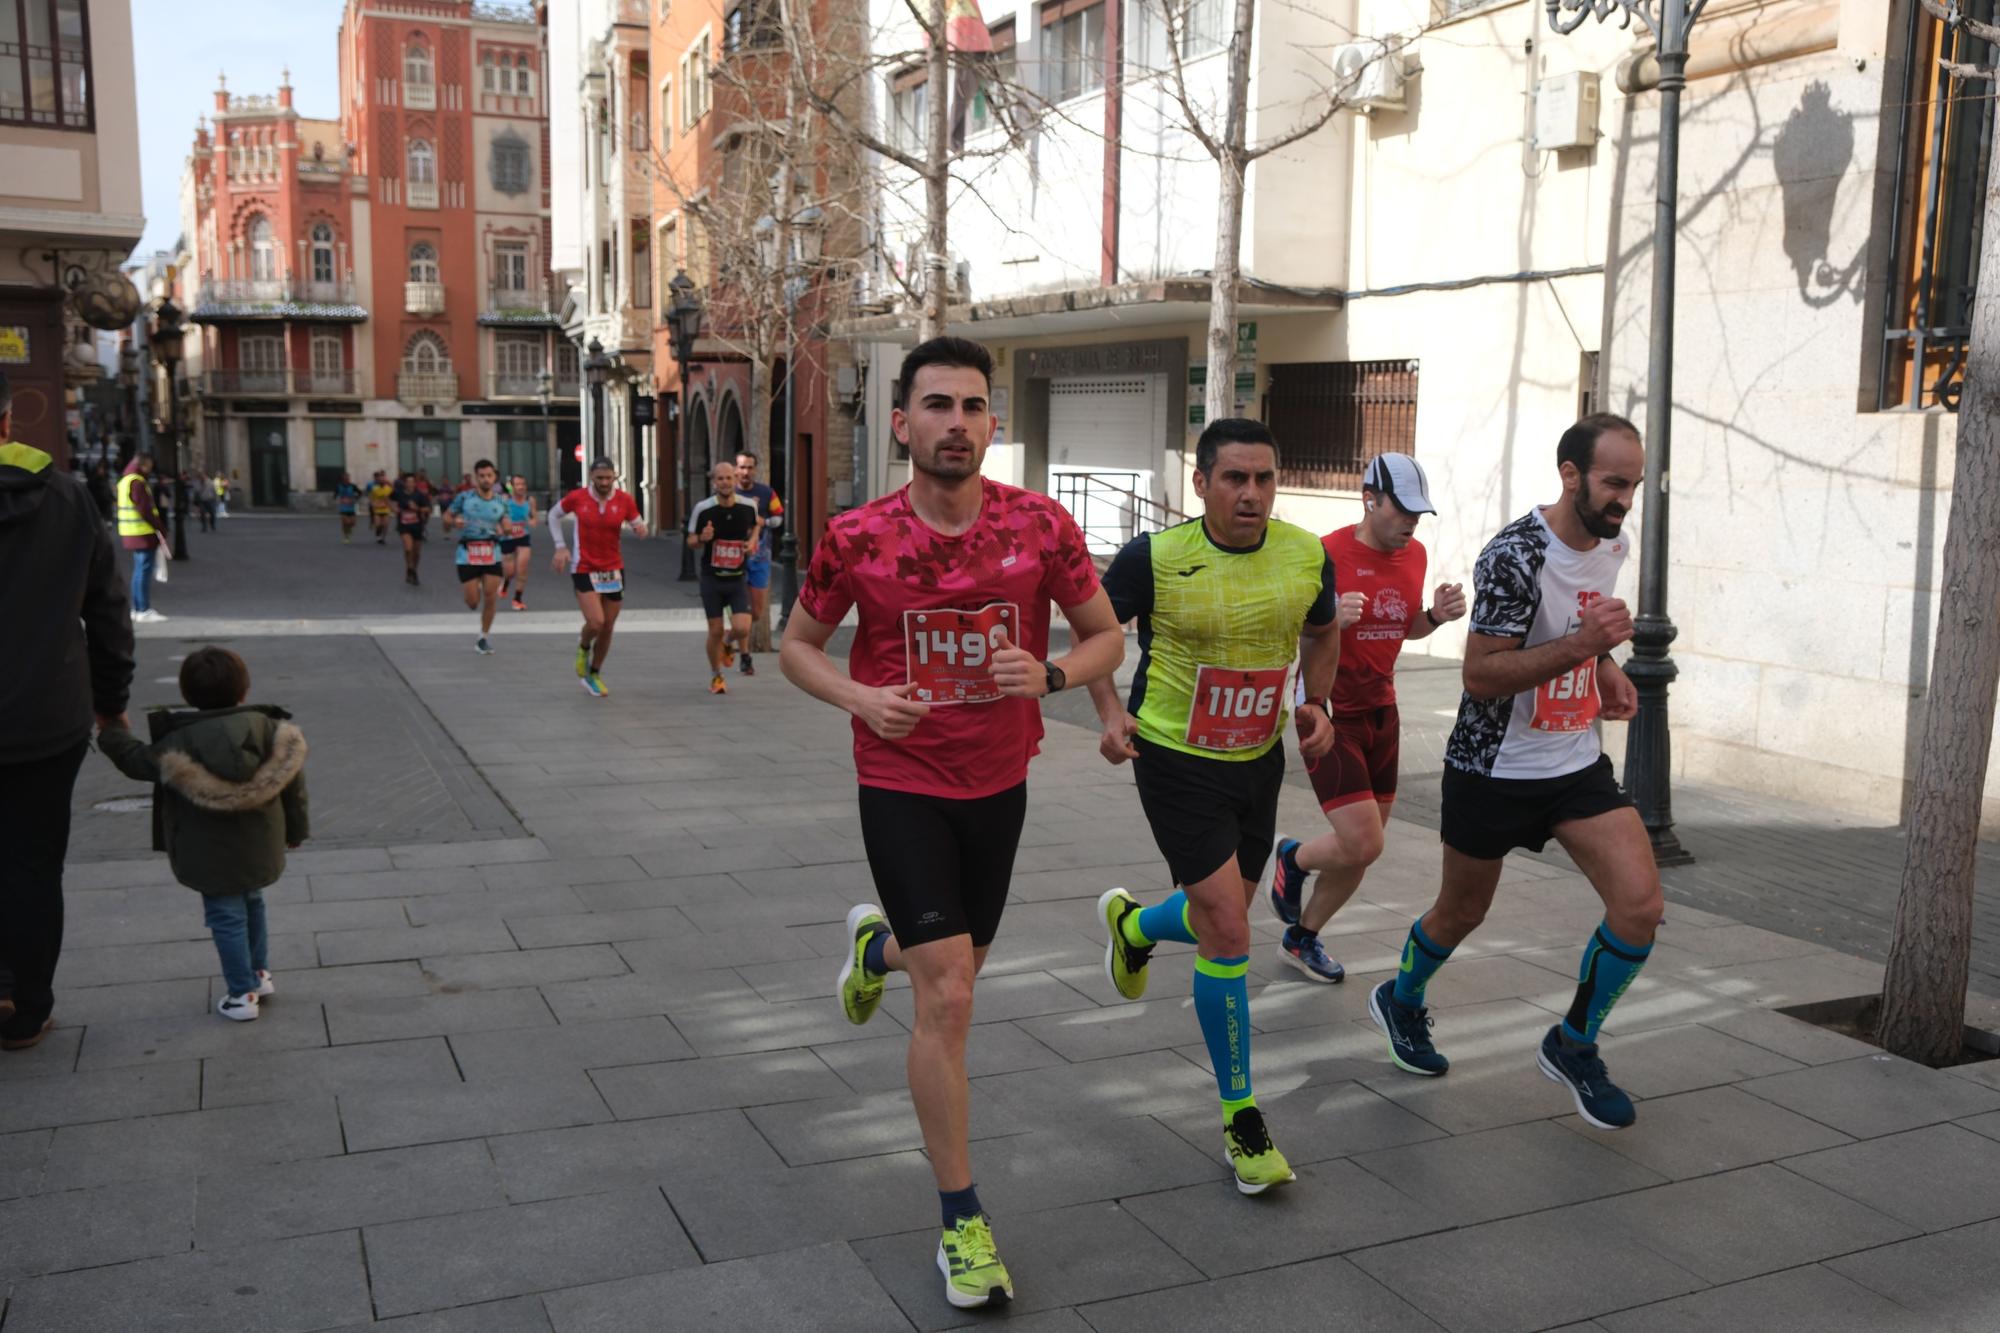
1432, 617
1056, 677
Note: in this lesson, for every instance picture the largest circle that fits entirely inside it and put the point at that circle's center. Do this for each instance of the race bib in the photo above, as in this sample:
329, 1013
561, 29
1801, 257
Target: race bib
728, 554
1569, 702
607, 580
950, 652
1235, 710
479, 553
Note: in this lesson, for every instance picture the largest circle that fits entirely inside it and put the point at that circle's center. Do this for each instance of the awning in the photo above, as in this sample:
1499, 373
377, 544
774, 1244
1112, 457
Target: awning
1132, 305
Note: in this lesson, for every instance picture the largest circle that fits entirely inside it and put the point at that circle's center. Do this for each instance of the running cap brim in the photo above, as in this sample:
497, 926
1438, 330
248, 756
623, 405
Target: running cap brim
1401, 478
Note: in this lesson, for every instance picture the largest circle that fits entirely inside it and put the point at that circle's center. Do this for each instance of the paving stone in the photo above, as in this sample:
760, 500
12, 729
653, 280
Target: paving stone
110, 1094
866, 1124
1007, 997
641, 1091
1331, 1207
685, 948
524, 1054
1739, 1224
1988, 1124
55, 1055
633, 996
1333, 1290
1805, 980
342, 1193
433, 1015
54, 1232
1713, 1129
527, 967
330, 860
181, 1145
732, 1214
284, 1286
1073, 1256
21, 1158
1793, 1038
1058, 1168
435, 1263
675, 862
1876, 1095
488, 905
521, 1314
486, 852
638, 894
554, 1163
392, 1117
1947, 1278
1494, 1080
881, 1062
565, 872
542, 932
110, 965
824, 1289
1493, 1291
286, 1025
1316, 1122
736, 1025
382, 946
243, 1080
802, 909
1473, 1178
1663, 1061
1151, 1083
803, 979
321, 985
1813, 1299
393, 883
112, 1004
1934, 1178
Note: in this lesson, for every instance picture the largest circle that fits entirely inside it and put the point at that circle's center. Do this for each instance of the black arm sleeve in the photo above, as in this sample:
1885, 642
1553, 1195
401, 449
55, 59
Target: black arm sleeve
107, 623
1328, 601
1129, 581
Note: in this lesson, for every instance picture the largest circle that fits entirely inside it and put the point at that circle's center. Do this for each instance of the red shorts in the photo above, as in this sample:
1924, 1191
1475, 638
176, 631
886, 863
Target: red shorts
1361, 766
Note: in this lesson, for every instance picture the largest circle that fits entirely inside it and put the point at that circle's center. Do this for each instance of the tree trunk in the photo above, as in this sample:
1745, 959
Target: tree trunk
1221, 391
1923, 994
937, 180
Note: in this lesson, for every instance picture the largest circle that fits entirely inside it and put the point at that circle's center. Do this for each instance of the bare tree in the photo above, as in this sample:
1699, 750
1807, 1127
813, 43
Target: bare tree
1930, 955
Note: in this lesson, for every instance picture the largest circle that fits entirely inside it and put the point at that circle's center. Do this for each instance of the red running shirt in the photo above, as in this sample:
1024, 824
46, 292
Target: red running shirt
1394, 584
597, 527
884, 560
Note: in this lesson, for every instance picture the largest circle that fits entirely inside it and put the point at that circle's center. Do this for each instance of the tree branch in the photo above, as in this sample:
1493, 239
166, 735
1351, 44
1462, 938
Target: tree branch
1958, 22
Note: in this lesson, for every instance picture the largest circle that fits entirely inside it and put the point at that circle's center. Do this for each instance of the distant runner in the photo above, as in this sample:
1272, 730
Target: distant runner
481, 516
412, 502
379, 507
772, 510
346, 496
725, 529
602, 512
516, 552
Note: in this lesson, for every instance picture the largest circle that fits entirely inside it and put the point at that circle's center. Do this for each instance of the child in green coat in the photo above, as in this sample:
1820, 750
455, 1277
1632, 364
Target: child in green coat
230, 789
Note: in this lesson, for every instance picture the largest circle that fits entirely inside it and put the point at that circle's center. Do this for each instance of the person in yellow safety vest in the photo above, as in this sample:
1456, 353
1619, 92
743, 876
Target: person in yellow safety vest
140, 533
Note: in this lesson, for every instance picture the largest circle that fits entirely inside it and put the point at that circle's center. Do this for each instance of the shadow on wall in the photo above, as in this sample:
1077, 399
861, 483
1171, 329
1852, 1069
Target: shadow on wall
1812, 152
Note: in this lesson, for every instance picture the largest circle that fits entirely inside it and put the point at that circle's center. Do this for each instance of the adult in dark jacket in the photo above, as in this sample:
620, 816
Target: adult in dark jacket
65, 656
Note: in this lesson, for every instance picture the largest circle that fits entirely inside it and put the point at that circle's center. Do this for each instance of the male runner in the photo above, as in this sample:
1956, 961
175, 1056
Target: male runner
379, 508
1379, 569
772, 510
952, 576
1524, 763
346, 495
483, 520
602, 512
411, 500
517, 553
1225, 603
726, 530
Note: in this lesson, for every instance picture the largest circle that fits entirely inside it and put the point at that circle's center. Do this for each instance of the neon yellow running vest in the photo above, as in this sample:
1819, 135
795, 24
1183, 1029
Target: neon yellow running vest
131, 523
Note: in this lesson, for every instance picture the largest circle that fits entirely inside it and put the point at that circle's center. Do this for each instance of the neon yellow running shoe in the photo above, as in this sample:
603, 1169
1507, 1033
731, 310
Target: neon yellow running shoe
582, 660
860, 989
1124, 963
1251, 1155
973, 1273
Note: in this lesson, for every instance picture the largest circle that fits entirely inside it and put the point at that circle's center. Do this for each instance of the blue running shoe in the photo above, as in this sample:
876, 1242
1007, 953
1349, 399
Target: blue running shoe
1288, 883
1578, 1068
1308, 955
1409, 1032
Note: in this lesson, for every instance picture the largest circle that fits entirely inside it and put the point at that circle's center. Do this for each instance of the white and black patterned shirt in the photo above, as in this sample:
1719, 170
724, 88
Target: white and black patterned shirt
1529, 585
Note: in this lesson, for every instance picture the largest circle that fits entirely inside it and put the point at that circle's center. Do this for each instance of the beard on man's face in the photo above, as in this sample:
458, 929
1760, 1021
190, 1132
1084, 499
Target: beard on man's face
1605, 520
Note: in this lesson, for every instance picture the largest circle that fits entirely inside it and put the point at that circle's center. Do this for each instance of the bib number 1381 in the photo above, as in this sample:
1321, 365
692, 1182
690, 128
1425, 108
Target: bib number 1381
1569, 702
950, 652
1234, 710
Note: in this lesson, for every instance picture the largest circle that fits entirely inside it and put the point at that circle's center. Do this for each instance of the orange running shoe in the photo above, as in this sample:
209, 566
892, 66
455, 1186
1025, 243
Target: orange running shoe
716, 684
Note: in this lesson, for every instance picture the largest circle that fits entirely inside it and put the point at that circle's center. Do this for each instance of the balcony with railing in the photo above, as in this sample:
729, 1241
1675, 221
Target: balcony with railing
423, 298
281, 383
223, 299
422, 194
420, 96
533, 303
427, 384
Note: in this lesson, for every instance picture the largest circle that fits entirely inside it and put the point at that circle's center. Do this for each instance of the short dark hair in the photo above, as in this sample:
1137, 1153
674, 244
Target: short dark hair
745, 453
1229, 430
1579, 443
945, 351
484, 462
602, 464
214, 677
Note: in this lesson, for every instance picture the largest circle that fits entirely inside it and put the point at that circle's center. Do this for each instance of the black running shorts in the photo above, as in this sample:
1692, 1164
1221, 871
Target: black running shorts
467, 573
730, 594
942, 865
1204, 811
1488, 817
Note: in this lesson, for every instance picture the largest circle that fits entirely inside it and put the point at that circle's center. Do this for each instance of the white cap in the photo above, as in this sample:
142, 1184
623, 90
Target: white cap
1399, 477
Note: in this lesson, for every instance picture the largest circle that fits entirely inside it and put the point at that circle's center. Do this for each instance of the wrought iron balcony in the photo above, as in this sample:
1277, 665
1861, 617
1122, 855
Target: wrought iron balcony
422, 194
420, 96
247, 383
532, 304
505, 384
427, 386
225, 299
423, 298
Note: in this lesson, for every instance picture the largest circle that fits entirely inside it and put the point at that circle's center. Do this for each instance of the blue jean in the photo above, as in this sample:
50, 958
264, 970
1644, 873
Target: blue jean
237, 923
142, 578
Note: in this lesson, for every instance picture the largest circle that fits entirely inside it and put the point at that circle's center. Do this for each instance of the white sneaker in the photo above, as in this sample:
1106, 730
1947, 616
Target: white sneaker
147, 617
266, 988
239, 1008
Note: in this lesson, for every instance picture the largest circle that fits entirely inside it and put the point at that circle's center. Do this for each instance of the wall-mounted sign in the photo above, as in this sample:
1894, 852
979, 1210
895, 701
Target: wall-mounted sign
13, 345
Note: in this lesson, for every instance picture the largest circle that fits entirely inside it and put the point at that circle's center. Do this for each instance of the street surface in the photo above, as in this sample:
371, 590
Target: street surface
555, 1045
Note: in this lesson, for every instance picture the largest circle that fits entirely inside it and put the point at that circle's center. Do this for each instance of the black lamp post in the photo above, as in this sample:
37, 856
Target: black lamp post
596, 366
684, 326
1648, 747
545, 392
164, 340
805, 236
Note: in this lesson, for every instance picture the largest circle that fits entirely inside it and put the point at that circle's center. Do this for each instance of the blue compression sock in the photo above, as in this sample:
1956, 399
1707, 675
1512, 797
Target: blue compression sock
1222, 1003
959, 1203
1421, 960
872, 960
1609, 966
1167, 920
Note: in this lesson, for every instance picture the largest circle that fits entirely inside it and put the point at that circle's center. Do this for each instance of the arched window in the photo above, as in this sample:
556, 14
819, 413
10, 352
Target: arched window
423, 262
524, 78
322, 254
423, 163
263, 251
417, 64
427, 355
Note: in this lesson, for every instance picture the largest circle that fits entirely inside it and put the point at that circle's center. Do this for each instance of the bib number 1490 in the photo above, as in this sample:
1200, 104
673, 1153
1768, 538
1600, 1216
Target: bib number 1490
950, 652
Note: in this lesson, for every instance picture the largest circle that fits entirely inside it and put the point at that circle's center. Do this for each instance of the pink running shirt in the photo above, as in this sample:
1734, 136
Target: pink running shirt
1024, 548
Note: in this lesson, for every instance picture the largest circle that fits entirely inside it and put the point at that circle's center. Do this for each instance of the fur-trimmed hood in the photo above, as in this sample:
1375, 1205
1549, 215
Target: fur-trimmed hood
282, 760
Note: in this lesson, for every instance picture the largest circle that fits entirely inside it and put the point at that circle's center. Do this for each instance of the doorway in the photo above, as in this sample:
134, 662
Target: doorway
270, 464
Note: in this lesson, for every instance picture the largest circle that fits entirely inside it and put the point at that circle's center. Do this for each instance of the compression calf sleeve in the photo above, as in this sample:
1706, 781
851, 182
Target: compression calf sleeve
1167, 920
1421, 959
1222, 1003
1609, 966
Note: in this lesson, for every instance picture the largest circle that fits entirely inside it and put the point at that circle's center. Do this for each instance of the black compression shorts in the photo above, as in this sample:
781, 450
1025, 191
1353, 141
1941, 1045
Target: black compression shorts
1204, 811
1487, 817
942, 866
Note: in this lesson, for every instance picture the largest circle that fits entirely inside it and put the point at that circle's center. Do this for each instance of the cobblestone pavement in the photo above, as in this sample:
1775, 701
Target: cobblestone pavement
591, 1075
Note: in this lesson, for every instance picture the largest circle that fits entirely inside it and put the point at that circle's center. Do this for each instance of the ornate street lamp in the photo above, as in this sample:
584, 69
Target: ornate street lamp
1648, 747
596, 366
164, 341
806, 238
683, 327
545, 393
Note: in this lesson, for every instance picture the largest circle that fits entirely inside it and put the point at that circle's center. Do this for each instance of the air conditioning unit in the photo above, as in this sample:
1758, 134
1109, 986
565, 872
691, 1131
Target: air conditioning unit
1566, 111
1369, 76
869, 294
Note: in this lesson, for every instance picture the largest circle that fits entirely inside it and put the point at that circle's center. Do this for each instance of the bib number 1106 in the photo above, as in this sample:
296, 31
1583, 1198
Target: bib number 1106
1233, 709
950, 652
